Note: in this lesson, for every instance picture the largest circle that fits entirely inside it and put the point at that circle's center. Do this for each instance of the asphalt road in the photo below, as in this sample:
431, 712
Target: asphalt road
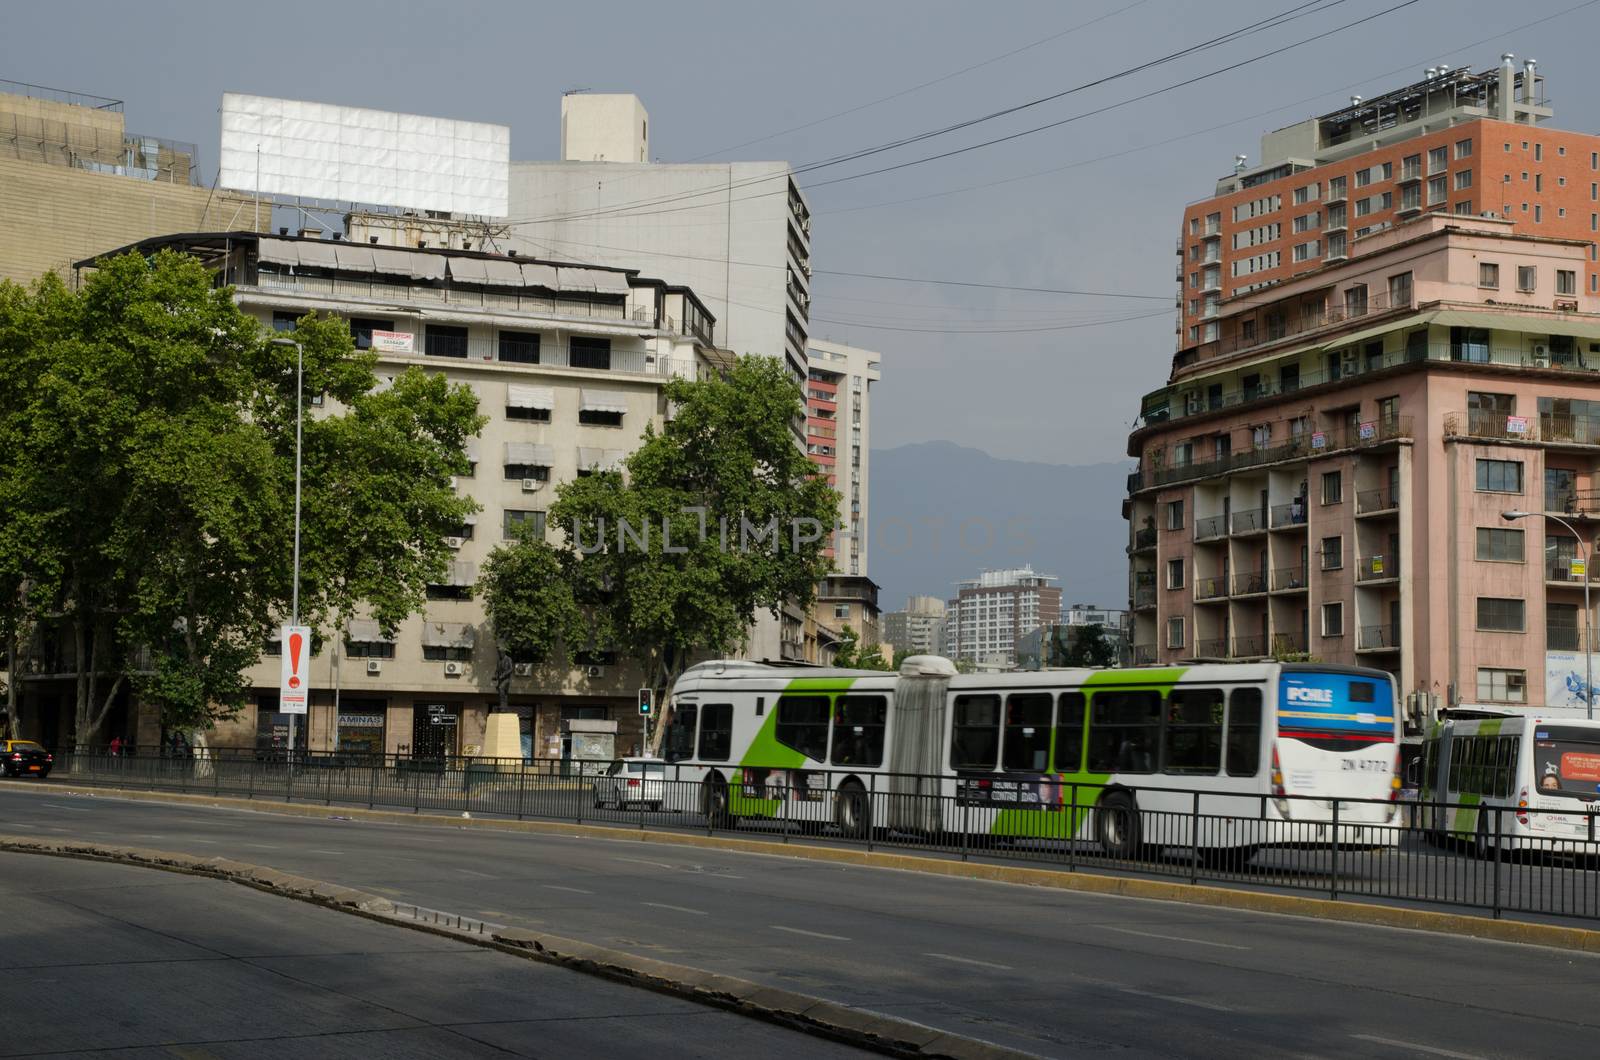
1059, 973
100, 957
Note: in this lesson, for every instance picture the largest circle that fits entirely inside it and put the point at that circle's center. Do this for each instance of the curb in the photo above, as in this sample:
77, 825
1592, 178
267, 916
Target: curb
800, 1012
1457, 924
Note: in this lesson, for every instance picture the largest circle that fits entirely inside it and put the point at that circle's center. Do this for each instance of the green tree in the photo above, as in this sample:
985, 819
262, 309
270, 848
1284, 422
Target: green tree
527, 592
150, 506
853, 655
1091, 647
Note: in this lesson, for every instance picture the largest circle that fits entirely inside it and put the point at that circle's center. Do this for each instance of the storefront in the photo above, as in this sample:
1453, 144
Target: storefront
360, 726
435, 730
272, 726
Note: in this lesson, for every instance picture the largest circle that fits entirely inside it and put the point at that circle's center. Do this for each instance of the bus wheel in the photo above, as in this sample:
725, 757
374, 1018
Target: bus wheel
1117, 825
850, 811
1481, 844
714, 804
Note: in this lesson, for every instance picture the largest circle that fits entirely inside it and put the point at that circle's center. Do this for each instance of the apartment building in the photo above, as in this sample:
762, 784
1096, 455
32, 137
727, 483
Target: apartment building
839, 440
1333, 474
992, 611
919, 628
74, 180
568, 362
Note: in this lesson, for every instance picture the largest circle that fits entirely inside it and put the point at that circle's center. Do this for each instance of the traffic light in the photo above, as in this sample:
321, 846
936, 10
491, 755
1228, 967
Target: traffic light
645, 702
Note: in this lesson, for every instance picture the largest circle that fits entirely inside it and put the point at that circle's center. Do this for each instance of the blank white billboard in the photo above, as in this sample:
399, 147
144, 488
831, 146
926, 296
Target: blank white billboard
352, 154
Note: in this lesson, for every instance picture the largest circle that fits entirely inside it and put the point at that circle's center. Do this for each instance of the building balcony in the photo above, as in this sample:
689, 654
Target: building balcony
1558, 574
1144, 539
1576, 430
1410, 174
1288, 643
1212, 231
1331, 317
1289, 580
1377, 570
1563, 638
1382, 501
1144, 655
1333, 196
1289, 516
1250, 522
1135, 481
1320, 443
1250, 583
1378, 638
1254, 647
1210, 589
1216, 648
1144, 597
1210, 528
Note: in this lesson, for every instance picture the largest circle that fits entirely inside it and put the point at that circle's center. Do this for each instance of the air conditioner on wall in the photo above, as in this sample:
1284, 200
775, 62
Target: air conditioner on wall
1541, 355
594, 671
531, 485
374, 666
452, 669
453, 542
522, 669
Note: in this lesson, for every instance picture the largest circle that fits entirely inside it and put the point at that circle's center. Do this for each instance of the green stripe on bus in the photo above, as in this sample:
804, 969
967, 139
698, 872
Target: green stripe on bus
765, 752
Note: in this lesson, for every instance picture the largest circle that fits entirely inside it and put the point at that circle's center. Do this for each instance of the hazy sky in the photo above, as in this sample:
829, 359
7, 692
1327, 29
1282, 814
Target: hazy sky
717, 75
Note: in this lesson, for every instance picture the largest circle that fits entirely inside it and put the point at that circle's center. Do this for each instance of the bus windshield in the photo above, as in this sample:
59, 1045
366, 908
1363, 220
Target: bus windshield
1566, 760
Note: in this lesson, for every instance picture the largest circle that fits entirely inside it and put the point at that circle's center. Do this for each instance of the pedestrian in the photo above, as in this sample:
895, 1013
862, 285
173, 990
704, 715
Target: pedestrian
116, 747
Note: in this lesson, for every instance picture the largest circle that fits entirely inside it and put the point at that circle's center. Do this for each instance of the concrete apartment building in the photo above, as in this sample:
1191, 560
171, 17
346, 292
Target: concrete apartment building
1328, 467
839, 440
1050, 645
74, 181
991, 612
568, 362
919, 628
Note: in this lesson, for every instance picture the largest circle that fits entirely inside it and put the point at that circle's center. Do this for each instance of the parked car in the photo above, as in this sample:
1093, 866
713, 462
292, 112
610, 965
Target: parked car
24, 758
632, 782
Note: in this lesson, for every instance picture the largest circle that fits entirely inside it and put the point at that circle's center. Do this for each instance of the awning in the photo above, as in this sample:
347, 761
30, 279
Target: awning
353, 257
603, 281
469, 270
530, 397
536, 275
603, 400
1569, 324
471, 519
577, 279
530, 453
448, 635
391, 262
426, 266
365, 631
472, 448
280, 251
591, 459
460, 573
317, 253
503, 273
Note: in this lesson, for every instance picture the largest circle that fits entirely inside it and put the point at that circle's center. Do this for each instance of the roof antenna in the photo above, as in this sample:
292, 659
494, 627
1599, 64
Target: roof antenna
576, 91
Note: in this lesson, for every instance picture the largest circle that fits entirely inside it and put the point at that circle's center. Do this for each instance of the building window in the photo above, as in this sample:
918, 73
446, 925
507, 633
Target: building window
369, 649
282, 321
1333, 619
1194, 226
1502, 686
1399, 290
519, 412
1336, 188
1538, 218
1463, 148
1499, 476
1175, 631
361, 329
1566, 281
521, 471
518, 524
1496, 545
1438, 158
1464, 209
1175, 515
1527, 278
1332, 553
1175, 573
1438, 189
1332, 487
444, 340
1488, 274
589, 352
1500, 614
519, 347
599, 418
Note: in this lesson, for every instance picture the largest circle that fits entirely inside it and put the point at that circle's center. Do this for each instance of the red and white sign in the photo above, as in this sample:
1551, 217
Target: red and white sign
393, 342
1579, 766
1516, 425
294, 680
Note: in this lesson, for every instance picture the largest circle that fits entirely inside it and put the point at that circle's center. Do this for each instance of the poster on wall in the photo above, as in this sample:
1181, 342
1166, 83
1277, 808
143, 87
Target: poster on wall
1564, 678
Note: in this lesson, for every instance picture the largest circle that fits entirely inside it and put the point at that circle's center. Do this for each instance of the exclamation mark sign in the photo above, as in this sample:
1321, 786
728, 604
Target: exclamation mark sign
295, 641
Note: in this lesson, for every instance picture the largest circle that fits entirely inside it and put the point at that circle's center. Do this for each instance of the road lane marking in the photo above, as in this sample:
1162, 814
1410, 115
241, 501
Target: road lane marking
197, 839
641, 861
261, 846
74, 809
558, 887
480, 875
810, 934
1170, 997
969, 960
336, 852
1173, 938
677, 908
1414, 1047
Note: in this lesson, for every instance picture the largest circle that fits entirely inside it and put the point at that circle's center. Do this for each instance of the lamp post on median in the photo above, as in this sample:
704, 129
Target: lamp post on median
294, 590
1588, 636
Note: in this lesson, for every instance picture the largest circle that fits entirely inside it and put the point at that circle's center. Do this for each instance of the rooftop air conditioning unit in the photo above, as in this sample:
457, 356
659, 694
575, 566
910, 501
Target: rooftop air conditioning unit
522, 669
454, 542
594, 671
452, 669
531, 485
374, 666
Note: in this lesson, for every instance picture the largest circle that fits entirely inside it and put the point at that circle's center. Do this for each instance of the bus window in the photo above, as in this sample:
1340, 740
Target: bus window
679, 743
1069, 732
1480, 764
1508, 766
1027, 744
1124, 731
1244, 732
858, 723
1566, 759
803, 725
975, 742
1430, 763
1192, 739
716, 732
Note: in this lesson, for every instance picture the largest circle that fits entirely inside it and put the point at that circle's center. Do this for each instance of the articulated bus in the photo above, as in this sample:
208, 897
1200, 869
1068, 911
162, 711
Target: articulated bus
1480, 760
1108, 756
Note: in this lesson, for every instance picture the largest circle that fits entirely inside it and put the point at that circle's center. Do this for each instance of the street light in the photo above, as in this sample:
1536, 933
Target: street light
1588, 637
294, 591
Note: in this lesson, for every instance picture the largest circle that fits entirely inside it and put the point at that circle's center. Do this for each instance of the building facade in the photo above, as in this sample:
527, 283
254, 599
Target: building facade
1054, 645
919, 629
839, 440
991, 612
568, 364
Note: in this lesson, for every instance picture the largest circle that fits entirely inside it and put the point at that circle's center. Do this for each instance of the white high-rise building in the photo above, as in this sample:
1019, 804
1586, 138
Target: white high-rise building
990, 612
919, 629
838, 439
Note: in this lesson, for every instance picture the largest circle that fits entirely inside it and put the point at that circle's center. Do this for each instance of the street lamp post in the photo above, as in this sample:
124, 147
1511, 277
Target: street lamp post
294, 590
1588, 635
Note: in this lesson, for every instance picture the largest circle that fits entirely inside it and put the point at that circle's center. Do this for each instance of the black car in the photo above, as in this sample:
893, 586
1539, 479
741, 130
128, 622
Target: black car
24, 758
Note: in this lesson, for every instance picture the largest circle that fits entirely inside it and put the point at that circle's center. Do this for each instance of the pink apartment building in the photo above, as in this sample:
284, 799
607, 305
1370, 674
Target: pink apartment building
1329, 474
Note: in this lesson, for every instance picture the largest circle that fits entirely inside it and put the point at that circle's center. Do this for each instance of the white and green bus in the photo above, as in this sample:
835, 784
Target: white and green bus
1257, 754
1485, 768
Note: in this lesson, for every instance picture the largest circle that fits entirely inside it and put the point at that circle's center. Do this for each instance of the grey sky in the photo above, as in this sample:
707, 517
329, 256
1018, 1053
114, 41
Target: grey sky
714, 75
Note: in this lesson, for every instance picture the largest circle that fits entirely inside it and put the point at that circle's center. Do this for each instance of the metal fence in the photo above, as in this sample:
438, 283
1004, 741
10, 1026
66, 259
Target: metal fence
1521, 861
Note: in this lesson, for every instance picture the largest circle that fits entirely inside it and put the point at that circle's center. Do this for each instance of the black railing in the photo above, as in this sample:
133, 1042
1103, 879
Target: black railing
1249, 522
1291, 514
1144, 596
1144, 538
1562, 638
1560, 570
1377, 569
1248, 583
1253, 647
1211, 588
1496, 858
1212, 526
1288, 578
1287, 643
1379, 638
1215, 648
1319, 443
1369, 502
1144, 654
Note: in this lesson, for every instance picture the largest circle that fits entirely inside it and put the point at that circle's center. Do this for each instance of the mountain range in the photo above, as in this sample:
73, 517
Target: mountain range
941, 513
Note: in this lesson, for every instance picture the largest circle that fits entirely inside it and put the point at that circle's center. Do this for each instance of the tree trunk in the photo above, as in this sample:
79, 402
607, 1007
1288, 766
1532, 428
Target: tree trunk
80, 659
13, 726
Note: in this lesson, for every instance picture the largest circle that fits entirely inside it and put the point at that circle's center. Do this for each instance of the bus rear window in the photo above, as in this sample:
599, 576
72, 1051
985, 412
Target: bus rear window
1124, 731
858, 724
716, 732
803, 725
1566, 760
1027, 742
975, 739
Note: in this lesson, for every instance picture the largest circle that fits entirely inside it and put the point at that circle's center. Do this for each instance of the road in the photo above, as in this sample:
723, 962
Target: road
95, 956
1052, 972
